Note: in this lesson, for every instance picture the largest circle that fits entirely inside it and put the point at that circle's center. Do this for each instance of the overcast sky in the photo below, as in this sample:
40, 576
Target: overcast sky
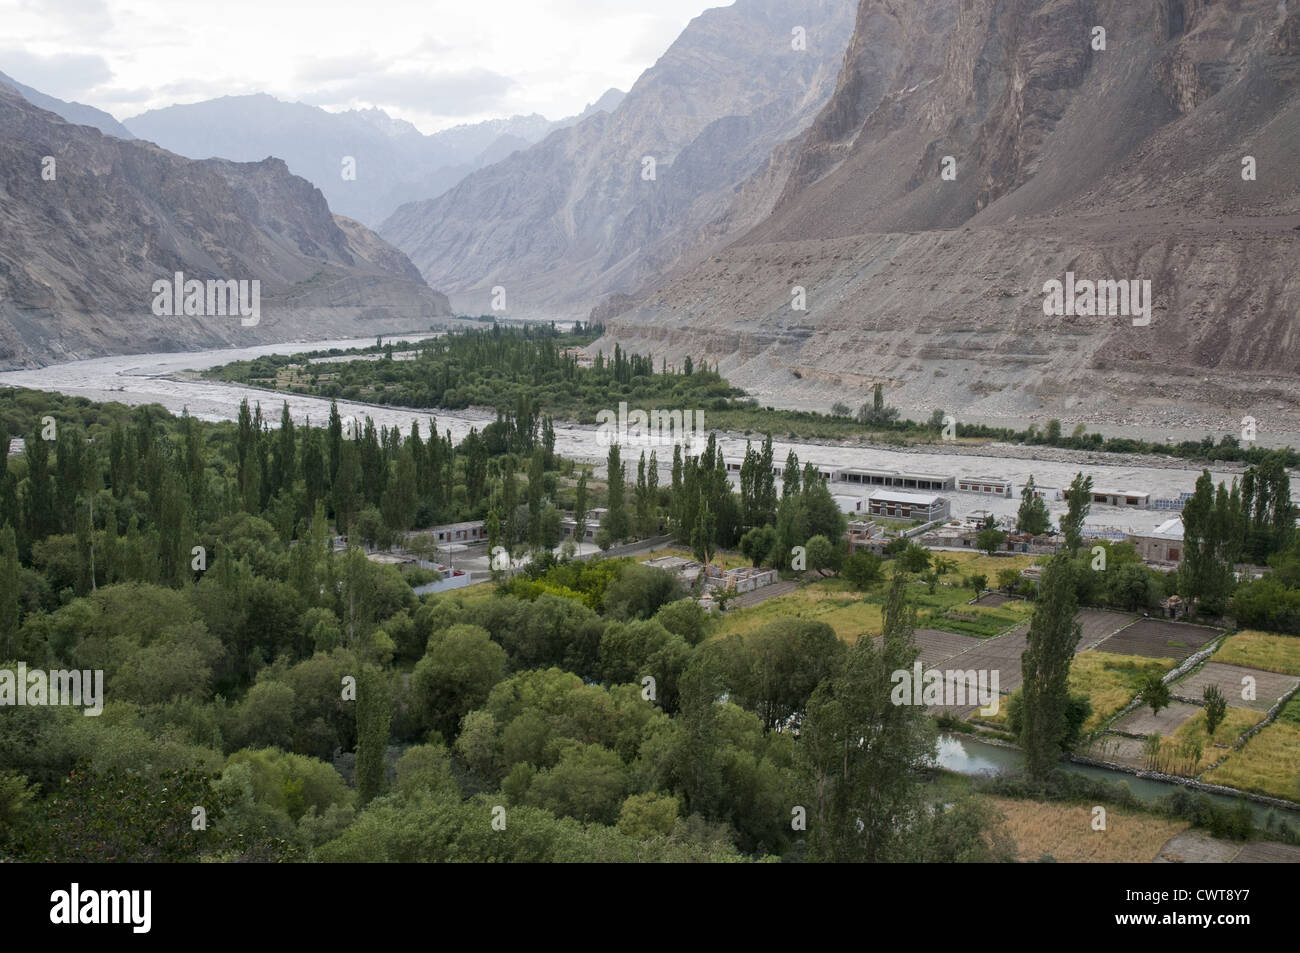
434, 62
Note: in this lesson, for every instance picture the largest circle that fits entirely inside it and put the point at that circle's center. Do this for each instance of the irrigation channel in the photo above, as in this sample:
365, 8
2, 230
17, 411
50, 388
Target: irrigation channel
972, 757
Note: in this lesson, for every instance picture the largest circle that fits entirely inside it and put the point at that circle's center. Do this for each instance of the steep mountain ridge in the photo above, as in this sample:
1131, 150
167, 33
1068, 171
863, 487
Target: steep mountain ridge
582, 213
80, 250
1122, 163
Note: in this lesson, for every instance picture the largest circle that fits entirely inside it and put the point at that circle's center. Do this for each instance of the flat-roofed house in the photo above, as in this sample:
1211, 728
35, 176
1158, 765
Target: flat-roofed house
850, 505
1121, 497
893, 479
894, 504
569, 525
1164, 544
460, 532
992, 486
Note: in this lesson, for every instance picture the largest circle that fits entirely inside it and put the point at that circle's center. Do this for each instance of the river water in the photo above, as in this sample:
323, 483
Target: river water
150, 378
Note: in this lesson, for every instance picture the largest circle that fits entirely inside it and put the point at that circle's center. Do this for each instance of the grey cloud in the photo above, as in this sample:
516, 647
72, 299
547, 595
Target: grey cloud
335, 68
459, 93
63, 75
84, 19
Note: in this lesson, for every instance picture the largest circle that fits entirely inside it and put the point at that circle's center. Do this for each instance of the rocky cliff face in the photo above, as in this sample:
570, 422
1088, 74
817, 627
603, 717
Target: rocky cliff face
81, 248
578, 216
1119, 163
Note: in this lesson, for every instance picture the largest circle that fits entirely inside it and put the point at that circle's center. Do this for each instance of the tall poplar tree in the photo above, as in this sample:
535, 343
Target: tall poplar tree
374, 716
1053, 634
859, 749
1079, 502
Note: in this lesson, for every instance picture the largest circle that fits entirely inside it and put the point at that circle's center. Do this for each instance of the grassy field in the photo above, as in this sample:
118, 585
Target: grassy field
1111, 681
1272, 653
972, 563
1065, 832
831, 601
479, 592
851, 613
1268, 764
947, 609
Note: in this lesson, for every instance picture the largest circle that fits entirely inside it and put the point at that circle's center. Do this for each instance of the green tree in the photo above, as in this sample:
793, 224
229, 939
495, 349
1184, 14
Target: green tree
374, 716
588, 783
399, 497
16, 797
914, 558
990, 540
580, 509
1053, 634
1216, 709
1155, 692
1032, 518
863, 570
616, 520
1079, 503
758, 544
775, 671
116, 815
453, 678
859, 749
643, 816
824, 557
40, 519
1209, 546
10, 584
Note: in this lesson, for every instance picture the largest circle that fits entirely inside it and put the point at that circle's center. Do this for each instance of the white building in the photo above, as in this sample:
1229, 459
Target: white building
850, 505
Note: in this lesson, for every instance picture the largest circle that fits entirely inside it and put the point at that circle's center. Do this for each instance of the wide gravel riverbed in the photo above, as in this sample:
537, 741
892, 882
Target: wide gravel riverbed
152, 378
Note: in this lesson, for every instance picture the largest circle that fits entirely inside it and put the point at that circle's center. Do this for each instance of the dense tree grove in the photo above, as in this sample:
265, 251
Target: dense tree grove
257, 666
497, 367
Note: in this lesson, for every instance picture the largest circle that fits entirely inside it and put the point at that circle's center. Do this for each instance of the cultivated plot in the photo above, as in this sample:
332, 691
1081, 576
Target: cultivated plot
1158, 638
1167, 721
1237, 684
1100, 624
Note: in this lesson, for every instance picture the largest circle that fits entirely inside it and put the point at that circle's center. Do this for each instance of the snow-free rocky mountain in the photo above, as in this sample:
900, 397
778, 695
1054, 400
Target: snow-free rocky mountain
393, 162
577, 216
79, 252
78, 113
1120, 164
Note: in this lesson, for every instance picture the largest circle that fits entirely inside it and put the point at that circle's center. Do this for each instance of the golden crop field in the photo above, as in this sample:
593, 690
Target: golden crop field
1262, 650
1066, 832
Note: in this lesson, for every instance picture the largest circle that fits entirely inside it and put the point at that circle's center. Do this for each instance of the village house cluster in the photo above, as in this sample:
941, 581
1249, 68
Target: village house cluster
876, 502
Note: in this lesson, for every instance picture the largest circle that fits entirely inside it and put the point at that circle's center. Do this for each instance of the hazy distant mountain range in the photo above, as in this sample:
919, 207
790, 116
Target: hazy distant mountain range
393, 162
